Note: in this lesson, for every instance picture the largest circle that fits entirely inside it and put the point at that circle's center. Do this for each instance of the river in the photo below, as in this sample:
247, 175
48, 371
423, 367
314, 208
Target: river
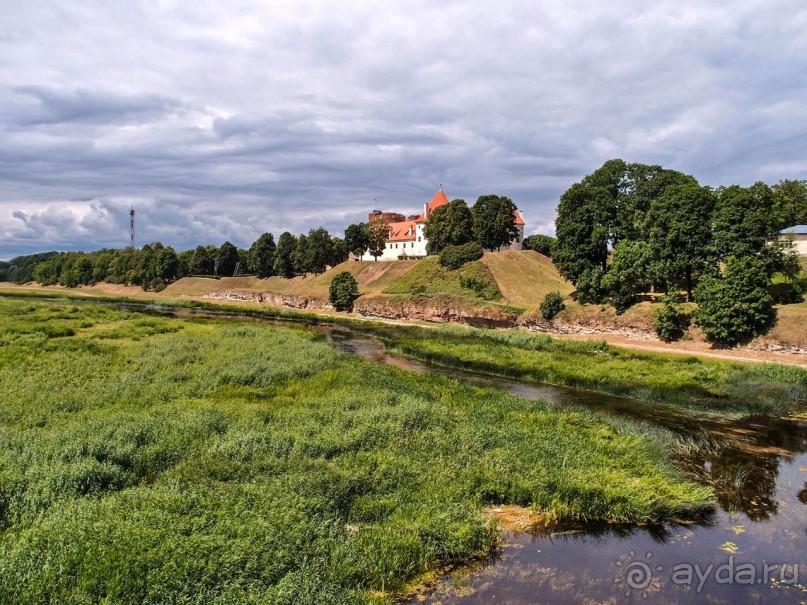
753, 549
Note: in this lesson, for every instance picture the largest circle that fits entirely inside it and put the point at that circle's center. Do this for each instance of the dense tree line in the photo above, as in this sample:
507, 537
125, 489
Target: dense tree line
155, 265
627, 229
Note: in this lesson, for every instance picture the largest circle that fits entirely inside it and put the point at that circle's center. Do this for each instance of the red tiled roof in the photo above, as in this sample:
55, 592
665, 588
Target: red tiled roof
402, 232
519, 220
438, 200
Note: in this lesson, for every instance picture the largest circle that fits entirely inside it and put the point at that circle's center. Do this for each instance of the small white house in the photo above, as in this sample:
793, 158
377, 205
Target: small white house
798, 235
406, 238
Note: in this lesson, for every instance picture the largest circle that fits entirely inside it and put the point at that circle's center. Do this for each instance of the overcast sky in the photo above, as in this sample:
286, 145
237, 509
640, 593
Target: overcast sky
222, 120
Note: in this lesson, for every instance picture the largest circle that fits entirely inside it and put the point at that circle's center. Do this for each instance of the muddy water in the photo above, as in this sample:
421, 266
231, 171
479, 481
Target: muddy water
753, 550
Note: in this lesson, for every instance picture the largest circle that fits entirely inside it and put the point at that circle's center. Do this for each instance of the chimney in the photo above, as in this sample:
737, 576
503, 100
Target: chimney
425, 211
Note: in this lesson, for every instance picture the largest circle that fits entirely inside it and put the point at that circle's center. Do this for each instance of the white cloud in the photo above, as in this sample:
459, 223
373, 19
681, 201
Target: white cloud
220, 120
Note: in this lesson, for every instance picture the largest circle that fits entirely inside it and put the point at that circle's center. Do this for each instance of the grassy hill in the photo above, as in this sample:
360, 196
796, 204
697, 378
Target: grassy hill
519, 278
372, 277
525, 277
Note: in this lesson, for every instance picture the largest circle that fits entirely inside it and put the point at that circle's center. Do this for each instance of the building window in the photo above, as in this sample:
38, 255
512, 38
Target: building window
418, 238
396, 246
516, 240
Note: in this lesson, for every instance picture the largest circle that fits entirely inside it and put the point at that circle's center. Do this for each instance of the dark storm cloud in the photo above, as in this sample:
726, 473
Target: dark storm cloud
221, 120
55, 107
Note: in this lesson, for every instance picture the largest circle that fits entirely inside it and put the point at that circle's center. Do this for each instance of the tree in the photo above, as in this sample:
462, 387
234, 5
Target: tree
245, 261
589, 286
542, 244
583, 228
339, 251
319, 250
343, 291
377, 233
284, 253
299, 257
680, 234
606, 207
449, 225
357, 238
790, 203
227, 259
494, 221
743, 220
166, 265
262, 253
629, 273
201, 263
184, 259
552, 305
737, 306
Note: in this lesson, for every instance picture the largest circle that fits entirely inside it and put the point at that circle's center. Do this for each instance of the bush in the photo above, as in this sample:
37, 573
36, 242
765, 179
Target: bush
786, 293
542, 244
454, 257
590, 288
552, 305
669, 321
486, 289
737, 306
343, 291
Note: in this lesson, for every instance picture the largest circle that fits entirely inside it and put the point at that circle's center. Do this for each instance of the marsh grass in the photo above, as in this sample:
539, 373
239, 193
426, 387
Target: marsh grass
153, 460
703, 384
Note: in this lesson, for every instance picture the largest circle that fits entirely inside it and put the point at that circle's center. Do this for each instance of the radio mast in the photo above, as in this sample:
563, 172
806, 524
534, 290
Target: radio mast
132, 227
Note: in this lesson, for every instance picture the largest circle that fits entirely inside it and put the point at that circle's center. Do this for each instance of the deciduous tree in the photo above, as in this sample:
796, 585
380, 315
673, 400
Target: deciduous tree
494, 221
377, 233
737, 306
449, 225
262, 254
226, 259
284, 253
343, 291
680, 234
357, 238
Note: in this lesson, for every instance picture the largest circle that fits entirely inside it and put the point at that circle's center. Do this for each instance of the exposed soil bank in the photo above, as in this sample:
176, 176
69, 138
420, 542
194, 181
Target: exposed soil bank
438, 309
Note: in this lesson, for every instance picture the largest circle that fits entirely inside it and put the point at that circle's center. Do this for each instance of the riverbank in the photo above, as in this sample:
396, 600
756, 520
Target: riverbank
152, 458
705, 385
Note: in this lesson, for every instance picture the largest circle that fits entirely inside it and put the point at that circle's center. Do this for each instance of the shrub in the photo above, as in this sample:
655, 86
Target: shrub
589, 287
786, 293
484, 288
669, 321
454, 257
540, 243
552, 305
343, 291
737, 306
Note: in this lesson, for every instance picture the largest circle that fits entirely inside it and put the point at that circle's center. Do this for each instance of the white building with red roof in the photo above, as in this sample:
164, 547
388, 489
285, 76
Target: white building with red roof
406, 238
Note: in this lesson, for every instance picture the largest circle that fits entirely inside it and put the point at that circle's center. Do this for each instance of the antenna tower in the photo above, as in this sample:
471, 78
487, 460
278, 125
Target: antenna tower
132, 227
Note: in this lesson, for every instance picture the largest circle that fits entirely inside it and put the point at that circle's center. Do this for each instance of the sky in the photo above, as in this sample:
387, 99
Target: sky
221, 120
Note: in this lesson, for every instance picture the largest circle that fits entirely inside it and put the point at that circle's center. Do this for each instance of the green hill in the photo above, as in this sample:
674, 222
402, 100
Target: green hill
519, 278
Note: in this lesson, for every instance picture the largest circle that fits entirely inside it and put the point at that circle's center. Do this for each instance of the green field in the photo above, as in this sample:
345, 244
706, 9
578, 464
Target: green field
154, 460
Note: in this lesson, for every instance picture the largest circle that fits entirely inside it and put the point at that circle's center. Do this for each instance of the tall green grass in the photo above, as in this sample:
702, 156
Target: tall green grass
704, 384
152, 460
